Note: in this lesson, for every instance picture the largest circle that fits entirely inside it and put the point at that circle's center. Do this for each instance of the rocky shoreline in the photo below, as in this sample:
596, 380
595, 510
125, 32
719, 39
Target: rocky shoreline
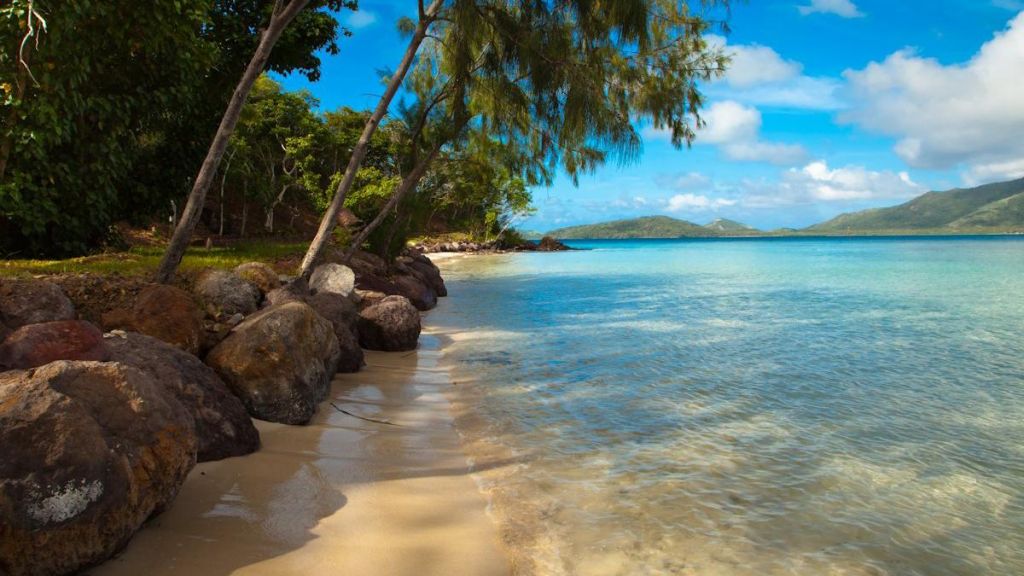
102, 419
545, 244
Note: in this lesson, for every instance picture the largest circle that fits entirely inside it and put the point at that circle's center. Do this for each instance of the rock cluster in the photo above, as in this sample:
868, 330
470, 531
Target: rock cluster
98, 431
545, 244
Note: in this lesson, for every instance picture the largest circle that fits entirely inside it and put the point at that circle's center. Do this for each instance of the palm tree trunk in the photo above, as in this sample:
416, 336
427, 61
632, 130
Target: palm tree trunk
279, 20
359, 152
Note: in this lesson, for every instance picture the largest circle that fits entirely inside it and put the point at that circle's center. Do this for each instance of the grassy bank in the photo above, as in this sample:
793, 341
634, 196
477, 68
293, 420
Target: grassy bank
143, 260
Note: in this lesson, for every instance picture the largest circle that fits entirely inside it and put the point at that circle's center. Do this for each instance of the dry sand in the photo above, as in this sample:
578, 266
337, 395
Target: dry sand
340, 496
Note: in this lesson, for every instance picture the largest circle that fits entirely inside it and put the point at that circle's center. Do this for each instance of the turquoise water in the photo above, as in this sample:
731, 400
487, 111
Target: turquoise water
784, 406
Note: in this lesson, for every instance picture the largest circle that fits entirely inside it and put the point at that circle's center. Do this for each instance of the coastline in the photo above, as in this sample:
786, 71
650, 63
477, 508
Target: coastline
387, 495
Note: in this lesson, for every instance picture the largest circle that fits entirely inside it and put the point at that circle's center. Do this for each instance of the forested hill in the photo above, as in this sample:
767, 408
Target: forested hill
649, 227
997, 206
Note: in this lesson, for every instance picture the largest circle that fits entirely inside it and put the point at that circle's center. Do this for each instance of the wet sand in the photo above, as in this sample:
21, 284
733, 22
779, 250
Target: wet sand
343, 495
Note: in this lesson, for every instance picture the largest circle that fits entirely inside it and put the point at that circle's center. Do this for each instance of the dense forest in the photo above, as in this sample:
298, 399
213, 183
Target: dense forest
109, 109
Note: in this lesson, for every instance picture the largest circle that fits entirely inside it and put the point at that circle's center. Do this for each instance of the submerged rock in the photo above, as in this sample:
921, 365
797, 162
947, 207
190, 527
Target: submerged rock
259, 275
393, 324
334, 278
342, 314
227, 293
37, 344
90, 451
165, 313
30, 301
280, 362
223, 427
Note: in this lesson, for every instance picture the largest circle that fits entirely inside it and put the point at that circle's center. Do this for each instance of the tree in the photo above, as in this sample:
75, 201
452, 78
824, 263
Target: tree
281, 16
427, 17
79, 82
564, 87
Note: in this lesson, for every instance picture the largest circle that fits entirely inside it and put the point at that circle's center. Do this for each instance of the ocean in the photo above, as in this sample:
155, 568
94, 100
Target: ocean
810, 406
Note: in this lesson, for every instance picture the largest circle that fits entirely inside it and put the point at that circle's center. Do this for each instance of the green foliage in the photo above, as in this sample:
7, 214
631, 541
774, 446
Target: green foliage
77, 95
984, 206
107, 107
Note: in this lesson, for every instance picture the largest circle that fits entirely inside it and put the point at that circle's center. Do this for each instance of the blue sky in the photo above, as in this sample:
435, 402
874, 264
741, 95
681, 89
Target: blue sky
831, 106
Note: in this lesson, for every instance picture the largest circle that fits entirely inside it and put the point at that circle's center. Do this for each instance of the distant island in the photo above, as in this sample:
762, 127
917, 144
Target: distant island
989, 209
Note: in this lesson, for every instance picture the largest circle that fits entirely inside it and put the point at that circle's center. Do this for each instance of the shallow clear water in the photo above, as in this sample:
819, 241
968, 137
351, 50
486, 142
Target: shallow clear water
808, 406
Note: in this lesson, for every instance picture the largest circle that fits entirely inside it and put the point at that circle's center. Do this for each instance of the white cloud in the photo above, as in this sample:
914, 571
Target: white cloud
760, 76
817, 182
361, 19
771, 152
844, 8
688, 181
684, 202
729, 122
736, 128
968, 114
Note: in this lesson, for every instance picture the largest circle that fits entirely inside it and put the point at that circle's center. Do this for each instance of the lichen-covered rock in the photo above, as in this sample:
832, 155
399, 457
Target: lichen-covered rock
30, 301
223, 427
333, 278
342, 314
259, 275
90, 451
393, 324
37, 344
227, 293
280, 362
165, 313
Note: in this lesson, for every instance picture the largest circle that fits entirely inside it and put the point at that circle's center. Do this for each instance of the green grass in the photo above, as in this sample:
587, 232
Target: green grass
144, 260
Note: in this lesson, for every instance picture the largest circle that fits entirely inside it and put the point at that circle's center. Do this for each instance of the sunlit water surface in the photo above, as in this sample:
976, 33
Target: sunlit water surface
749, 407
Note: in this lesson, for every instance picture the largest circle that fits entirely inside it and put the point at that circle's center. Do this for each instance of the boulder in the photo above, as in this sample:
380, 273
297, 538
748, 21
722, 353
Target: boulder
342, 314
259, 275
368, 298
549, 244
223, 427
375, 283
280, 362
30, 301
4, 331
37, 344
422, 296
165, 313
90, 451
368, 263
393, 325
227, 293
333, 278
295, 291
429, 273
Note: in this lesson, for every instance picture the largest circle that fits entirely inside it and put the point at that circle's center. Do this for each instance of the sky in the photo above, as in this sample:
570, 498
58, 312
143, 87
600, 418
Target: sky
829, 106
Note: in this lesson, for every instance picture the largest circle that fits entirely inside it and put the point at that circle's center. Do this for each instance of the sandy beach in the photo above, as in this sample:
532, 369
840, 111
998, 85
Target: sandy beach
382, 488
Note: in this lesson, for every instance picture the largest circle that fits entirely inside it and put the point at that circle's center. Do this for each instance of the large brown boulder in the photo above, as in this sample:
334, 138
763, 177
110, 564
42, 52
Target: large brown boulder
392, 325
165, 313
226, 293
280, 362
342, 314
29, 301
422, 296
259, 275
223, 427
37, 344
429, 273
334, 278
90, 451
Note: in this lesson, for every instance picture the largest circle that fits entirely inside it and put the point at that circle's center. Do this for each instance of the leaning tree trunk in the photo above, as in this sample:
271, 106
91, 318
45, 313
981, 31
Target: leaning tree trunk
362, 146
408, 184
279, 20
